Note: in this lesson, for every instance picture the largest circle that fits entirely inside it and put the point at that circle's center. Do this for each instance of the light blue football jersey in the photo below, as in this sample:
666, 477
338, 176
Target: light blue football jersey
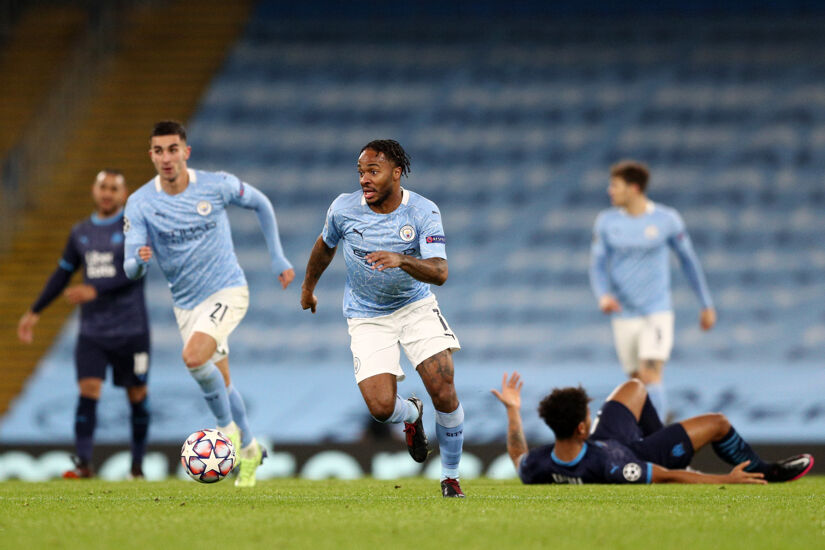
189, 233
629, 259
414, 228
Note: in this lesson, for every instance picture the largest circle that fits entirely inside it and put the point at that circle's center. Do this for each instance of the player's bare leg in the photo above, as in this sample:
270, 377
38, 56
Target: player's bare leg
380, 393
437, 373
650, 373
633, 395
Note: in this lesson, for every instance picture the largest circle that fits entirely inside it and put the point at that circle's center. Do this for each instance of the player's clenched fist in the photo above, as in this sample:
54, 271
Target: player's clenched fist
308, 300
145, 253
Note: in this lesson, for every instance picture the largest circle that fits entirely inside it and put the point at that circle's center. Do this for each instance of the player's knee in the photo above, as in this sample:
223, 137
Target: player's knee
381, 409
137, 394
722, 424
193, 359
445, 398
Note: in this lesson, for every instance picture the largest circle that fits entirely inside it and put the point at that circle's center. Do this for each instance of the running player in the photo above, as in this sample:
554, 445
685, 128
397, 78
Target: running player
630, 276
179, 217
394, 248
628, 444
114, 328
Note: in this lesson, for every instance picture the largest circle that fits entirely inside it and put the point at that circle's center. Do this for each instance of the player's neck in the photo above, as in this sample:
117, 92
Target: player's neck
637, 206
389, 204
567, 450
103, 215
177, 185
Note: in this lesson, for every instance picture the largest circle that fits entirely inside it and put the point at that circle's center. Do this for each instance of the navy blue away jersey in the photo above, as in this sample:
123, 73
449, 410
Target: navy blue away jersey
119, 309
603, 461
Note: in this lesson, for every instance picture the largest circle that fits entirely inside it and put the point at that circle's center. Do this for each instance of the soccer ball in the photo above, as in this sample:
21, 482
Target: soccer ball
207, 456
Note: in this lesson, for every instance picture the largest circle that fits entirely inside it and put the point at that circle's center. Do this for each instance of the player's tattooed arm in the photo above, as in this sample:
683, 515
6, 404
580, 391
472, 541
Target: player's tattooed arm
430, 270
510, 396
319, 260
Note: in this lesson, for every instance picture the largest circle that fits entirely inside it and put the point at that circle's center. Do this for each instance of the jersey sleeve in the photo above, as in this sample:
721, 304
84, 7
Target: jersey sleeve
679, 241
331, 233
233, 190
431, 239
638, 472
69, 262
599, 278
529, 469
136, 236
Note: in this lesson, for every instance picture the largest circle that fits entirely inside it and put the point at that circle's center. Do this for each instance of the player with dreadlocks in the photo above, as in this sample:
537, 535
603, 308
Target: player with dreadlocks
394, 249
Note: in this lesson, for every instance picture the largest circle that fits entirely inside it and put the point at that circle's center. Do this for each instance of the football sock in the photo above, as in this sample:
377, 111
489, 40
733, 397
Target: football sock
449, 428
85, 419
735, 450
140, 428
210, 379
238, 408
404, 411
656, 394
649, 420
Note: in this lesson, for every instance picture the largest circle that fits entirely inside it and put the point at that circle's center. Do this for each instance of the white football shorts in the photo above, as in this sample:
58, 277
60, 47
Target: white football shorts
643, 338
216, 316
418, 327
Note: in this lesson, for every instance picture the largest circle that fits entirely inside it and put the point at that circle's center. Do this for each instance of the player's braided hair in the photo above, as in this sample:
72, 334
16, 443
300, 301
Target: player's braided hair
563, 410
393, 151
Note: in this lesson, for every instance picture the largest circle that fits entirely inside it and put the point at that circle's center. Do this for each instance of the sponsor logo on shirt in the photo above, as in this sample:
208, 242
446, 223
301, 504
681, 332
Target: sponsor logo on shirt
204, 208
194, 233
437, 239
407, 233
100, 265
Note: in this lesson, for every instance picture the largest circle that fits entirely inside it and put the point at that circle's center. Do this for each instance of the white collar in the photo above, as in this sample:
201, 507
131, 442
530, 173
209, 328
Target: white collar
193, 178
649, 208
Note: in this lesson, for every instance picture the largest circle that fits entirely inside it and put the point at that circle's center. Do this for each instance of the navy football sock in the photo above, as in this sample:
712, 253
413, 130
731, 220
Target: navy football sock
735, 450
140, 429
649, 421
85, 419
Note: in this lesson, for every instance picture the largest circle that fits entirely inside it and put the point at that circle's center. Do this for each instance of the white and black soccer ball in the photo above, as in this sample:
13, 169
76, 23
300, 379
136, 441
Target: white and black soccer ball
207, 456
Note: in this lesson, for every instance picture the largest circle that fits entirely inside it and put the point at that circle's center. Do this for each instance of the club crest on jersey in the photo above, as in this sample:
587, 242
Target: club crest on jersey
632, 472
204, 208
651, 231
407, 233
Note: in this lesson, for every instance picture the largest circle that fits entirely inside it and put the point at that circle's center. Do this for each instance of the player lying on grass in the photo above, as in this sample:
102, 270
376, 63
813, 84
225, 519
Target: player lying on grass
628, 443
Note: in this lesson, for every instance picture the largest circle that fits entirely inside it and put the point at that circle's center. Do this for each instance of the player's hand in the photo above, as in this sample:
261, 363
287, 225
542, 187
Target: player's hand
308, 300
286, 277
383, 259
25, 327
510, 393
145, 253
739, 475
609, 304
80, 294
707, 318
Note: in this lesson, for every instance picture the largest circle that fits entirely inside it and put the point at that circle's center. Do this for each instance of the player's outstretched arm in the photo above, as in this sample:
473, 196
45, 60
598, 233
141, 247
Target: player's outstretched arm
430, 270
319, 260
254, 199
737, 475
510, 396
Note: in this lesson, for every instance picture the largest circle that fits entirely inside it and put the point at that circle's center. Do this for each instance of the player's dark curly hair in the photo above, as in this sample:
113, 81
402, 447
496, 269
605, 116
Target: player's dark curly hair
633, 172
393, 151
563, 410
169, 128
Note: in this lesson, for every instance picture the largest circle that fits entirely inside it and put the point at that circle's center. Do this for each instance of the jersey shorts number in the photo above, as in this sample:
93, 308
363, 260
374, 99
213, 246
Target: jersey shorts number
216, 316
419, 328
643, 338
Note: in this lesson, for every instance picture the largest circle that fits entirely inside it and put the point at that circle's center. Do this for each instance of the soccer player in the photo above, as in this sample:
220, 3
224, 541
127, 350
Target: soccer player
627, 442
114, 327
179, 217
394, 249
630, 276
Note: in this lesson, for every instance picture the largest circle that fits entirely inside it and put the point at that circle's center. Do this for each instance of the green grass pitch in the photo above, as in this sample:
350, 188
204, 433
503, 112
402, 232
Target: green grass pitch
409, 513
